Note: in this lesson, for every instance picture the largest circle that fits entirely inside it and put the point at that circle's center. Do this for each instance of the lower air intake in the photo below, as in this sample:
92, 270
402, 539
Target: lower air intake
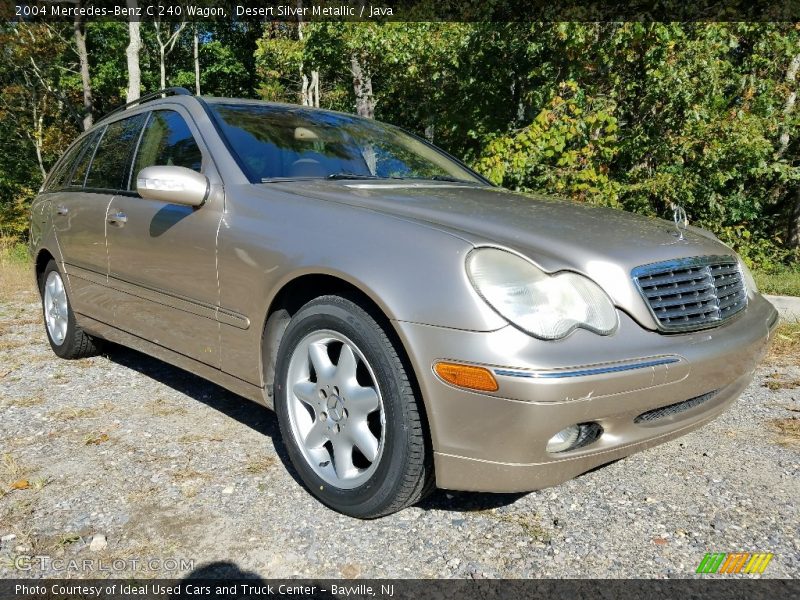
673, 409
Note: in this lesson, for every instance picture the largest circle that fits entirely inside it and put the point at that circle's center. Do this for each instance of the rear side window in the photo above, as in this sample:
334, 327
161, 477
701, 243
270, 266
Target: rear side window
79, 173
167, 140
111, 164
59, 178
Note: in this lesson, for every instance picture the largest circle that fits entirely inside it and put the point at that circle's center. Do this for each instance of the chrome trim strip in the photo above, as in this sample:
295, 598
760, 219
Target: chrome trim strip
403, 186
692, 261
773, 321
587, 372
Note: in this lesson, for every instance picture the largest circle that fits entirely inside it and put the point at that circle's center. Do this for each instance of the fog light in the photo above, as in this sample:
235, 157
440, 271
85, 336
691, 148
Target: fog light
574, 437
564, 439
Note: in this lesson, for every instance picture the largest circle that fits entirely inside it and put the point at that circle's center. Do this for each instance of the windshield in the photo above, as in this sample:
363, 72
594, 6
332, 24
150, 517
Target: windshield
281, 142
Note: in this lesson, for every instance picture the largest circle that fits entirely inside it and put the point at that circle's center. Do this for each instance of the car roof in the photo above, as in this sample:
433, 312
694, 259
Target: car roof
189, 100
280, 106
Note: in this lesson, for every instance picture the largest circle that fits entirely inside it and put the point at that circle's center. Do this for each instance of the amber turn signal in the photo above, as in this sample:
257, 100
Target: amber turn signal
466, 376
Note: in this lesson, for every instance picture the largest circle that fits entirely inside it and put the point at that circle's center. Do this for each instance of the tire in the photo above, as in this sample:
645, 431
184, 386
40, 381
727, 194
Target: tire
339, 379
66, 339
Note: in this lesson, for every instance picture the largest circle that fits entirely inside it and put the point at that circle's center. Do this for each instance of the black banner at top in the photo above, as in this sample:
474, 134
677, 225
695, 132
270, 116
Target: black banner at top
401, 10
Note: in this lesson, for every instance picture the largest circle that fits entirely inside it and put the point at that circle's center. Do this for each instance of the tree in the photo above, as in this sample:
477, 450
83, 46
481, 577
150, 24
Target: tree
196, 56
793, 199
83, 58
226, 53
132, 54
630, 114
362, 87
309, 92
39, 96
166, 37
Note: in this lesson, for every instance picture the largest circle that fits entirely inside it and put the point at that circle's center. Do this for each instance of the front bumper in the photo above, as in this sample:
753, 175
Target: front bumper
496, 441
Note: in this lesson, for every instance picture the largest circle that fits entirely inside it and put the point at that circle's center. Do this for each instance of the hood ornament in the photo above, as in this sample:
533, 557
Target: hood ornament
680, 219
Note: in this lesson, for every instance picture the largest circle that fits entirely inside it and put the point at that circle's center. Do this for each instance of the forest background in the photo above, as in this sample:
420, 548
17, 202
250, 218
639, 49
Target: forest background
631, 115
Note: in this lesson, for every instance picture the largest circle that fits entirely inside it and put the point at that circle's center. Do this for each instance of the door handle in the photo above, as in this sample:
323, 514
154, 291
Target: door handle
61, 209
119, 218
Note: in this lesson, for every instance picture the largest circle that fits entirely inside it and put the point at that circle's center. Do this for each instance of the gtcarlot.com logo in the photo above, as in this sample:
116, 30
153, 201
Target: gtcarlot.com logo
90, 565
734, 562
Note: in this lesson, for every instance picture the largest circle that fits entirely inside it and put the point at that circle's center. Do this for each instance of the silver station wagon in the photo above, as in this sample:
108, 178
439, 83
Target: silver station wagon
411, 324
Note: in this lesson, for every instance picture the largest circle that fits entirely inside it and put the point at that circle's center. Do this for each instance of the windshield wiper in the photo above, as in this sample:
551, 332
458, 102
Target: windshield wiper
350, 176
435, 178
317, 177
447, 178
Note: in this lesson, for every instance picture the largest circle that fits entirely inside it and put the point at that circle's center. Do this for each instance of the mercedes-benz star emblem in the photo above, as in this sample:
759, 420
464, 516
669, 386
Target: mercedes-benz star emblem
680, 219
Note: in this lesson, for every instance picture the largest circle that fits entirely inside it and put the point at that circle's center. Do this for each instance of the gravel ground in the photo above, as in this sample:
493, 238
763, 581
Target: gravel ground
122, 457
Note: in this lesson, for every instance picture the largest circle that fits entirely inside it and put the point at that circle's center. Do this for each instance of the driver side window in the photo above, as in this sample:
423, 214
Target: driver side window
167, 140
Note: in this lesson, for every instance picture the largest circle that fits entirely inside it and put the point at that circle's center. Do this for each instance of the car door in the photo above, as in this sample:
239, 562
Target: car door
79, 219
162, 256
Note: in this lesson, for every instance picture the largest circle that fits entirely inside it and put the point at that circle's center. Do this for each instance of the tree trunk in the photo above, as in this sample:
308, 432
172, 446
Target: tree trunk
38, 127
314, 89
162, 68
132, 53
196, 62
788, 106
309, 90
793, 238
793, 199
83, 58
165, 46
304, 98
362, 86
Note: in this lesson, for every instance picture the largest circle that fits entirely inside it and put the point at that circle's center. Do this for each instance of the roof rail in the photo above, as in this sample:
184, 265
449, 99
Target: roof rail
172, 91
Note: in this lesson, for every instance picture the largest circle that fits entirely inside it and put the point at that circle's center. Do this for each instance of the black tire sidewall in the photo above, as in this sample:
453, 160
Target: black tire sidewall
377, 493
65, 349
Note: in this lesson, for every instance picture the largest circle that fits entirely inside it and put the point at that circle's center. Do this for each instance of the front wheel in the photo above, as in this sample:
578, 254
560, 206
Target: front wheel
348, 414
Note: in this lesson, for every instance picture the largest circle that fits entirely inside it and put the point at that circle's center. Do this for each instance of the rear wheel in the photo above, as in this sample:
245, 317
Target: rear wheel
66, 339
348, 415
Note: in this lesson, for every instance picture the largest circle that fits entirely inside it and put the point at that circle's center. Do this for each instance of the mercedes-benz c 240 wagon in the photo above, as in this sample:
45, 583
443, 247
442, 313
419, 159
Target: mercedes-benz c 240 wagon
411, 324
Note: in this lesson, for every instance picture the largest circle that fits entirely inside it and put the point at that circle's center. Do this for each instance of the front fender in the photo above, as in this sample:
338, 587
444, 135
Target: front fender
412, 271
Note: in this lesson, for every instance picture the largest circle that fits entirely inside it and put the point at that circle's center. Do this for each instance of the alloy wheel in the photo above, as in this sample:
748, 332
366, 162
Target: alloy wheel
335, 409
56, 308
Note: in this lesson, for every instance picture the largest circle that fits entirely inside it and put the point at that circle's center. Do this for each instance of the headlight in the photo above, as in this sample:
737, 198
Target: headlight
546, 306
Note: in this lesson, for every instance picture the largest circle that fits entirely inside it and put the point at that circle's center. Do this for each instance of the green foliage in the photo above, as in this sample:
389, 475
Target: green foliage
14, 251
41, 91
764, 254
783, 282
222, 72
567, 150
14, 209
279, 55
632, 115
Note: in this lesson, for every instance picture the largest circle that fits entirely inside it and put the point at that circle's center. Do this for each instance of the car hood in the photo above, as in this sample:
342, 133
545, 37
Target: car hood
603, 243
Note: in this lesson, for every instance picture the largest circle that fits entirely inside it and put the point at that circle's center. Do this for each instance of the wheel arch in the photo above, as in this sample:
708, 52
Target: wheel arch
300, 290
43, 257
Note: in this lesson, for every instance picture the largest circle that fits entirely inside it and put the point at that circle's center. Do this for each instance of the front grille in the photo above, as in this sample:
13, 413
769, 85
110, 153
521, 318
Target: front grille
673, 409
692, 293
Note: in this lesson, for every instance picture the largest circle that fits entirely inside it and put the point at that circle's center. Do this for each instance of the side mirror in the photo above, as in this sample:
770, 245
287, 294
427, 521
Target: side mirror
176, 185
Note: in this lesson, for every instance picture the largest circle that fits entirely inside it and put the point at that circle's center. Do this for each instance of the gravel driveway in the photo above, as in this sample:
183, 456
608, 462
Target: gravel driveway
125, 458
